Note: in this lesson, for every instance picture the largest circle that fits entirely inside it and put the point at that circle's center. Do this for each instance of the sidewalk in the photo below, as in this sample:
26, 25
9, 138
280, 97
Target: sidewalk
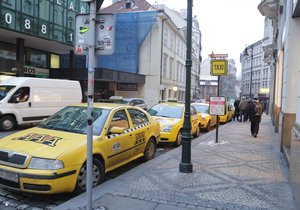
240, 172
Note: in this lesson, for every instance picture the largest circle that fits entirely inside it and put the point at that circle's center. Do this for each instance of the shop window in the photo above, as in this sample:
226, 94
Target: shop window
54, 62
7, 51
36, 58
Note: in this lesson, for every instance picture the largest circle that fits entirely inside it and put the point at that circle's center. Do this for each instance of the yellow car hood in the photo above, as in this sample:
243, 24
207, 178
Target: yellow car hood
166, 121
42, 142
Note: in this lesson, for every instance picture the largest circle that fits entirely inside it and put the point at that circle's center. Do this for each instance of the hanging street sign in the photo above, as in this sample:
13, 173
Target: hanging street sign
104, 35
218, 67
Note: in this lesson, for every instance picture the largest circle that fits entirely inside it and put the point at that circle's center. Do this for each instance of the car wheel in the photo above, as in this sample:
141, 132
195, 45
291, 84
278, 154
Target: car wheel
98, 176
7, 123
149, 150
208, 127
178, 139
197, 133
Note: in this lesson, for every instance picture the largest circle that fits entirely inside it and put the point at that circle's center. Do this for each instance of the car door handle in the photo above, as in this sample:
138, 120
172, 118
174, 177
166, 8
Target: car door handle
29, 104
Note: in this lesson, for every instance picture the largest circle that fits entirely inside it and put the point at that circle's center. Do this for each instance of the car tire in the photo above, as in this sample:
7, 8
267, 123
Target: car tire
8, 123
98, 176
178, 139
150, 150
208, 127
197, 133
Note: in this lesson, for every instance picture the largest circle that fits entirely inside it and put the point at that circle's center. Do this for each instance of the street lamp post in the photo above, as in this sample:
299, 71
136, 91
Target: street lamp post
185, 164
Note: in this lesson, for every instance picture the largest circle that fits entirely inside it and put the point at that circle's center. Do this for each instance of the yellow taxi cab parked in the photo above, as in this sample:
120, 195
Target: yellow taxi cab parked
170, 115
208, 120
228, 115
51, 157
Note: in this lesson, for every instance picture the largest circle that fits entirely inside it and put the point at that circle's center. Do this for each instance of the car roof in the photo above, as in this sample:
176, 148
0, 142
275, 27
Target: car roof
106, 105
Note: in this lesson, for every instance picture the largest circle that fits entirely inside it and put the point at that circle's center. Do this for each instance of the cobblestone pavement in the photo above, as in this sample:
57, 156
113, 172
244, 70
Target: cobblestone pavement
238, 172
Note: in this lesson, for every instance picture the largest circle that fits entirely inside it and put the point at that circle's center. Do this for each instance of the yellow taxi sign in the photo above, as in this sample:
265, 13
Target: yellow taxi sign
218, 67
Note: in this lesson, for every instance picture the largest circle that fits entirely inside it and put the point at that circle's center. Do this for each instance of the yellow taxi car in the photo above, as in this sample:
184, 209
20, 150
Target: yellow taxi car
51, 157
208, 120
228, 115
170, 115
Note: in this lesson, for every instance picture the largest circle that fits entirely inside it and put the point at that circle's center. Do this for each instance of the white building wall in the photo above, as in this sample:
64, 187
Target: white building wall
150, 59
291, 63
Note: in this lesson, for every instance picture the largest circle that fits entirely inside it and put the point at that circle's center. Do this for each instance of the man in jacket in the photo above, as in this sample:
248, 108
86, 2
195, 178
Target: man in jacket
255, 111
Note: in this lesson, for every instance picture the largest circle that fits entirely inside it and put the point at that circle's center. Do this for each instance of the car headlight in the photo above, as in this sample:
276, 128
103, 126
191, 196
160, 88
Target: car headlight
167, 128
45, 164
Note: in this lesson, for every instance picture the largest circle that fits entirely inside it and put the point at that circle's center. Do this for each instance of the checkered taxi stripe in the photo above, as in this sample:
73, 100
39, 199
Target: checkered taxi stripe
129, 130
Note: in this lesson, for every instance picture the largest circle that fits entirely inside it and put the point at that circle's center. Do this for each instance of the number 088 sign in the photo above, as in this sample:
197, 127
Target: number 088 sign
217, 105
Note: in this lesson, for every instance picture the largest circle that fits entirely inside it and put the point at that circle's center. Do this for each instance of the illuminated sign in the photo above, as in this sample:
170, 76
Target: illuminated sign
218, 67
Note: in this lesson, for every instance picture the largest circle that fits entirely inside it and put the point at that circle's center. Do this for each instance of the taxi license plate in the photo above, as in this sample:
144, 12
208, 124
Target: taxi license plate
9, 176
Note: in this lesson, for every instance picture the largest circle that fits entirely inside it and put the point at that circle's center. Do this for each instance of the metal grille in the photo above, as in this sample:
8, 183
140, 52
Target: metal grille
11, 158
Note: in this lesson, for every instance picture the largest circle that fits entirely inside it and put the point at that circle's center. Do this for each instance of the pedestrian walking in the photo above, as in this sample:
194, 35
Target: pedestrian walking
236, 104
243, 109
255, 111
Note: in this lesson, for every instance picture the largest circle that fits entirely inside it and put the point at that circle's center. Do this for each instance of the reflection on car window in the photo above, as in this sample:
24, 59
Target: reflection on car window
164, 110
193, 111
137, 117
4, 90
74, 119
201, 108
120, 120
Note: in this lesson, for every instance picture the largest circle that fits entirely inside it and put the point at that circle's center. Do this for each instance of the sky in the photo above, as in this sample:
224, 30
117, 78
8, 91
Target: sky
227, 26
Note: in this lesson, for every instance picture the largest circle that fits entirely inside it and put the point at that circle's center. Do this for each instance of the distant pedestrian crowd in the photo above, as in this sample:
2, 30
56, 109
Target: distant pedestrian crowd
249, 109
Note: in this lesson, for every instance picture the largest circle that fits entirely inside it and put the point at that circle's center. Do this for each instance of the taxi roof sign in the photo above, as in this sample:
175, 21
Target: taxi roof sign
218, 67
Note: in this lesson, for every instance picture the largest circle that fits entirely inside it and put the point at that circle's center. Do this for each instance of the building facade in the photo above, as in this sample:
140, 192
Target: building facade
285, 66
33, 34
252, 65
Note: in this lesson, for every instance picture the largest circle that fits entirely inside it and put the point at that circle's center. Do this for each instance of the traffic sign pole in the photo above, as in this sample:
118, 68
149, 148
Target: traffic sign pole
217, 126
90, 101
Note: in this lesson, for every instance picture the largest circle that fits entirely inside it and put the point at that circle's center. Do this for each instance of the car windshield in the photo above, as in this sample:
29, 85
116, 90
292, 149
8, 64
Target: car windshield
74, 119
4, 90
201, 108
164, 110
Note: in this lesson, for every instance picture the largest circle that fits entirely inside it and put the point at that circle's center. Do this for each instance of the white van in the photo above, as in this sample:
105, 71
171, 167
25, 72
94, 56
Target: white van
27, 100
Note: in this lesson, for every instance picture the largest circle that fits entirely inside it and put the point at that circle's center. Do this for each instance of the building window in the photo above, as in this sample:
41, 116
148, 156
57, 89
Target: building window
165, 66
44, 10
166, 31
171, 68
129, 4
171, 41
